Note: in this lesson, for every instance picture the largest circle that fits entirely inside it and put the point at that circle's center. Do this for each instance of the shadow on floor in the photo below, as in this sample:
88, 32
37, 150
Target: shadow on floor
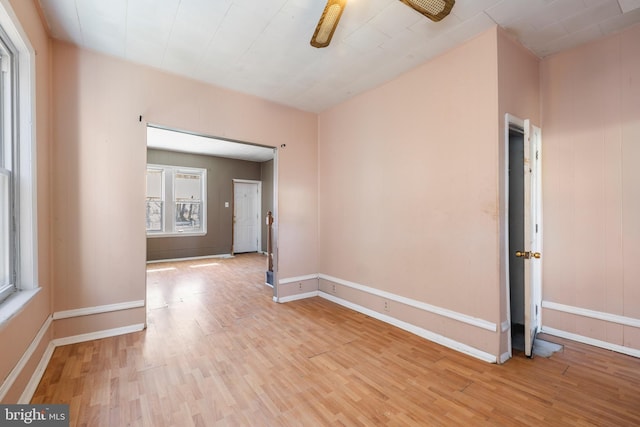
540, 347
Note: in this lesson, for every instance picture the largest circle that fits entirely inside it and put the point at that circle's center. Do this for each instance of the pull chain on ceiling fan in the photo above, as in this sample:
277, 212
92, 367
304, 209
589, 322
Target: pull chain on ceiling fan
435, 10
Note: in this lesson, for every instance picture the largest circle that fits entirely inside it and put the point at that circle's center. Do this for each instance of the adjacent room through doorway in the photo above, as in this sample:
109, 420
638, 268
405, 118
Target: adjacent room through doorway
194, 206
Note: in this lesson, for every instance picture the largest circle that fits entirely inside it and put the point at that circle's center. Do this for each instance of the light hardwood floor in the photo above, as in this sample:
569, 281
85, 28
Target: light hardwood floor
218, 351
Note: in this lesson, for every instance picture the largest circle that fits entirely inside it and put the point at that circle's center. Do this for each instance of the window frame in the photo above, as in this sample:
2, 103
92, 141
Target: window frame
161, 199
8, 164
23, 135
170, 227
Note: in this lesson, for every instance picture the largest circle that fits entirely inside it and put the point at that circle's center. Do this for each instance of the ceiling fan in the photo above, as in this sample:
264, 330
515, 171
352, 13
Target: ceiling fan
432, 9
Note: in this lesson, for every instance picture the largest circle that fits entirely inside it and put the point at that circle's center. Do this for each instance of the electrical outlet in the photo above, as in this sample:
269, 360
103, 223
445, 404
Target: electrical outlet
300, 286
387, 306
333, 288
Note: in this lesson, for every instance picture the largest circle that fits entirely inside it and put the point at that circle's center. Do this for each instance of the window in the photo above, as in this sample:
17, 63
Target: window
176, 201
155, 200
188, 195
8, 187
18, 205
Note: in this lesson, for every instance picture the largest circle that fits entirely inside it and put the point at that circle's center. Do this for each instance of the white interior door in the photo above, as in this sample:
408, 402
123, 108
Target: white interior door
246, 216
533, 233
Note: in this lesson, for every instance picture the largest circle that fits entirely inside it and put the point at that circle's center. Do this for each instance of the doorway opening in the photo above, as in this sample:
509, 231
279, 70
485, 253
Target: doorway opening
516, 234
523, 244
223, 163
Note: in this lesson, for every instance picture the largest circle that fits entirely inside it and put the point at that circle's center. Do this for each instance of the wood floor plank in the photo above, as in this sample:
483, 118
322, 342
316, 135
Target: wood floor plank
218, 351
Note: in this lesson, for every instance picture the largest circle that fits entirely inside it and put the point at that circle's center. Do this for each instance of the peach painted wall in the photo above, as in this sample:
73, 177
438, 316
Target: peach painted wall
99, 177
518, 95
408, 191
19, 331
591, 182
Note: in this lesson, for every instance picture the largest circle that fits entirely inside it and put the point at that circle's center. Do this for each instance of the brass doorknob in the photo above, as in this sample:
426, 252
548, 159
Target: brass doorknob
536, 255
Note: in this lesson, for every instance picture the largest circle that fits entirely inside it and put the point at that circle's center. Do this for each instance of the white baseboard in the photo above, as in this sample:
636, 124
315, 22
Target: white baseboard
297, 297
504, 357
99, 334
26, 356
193, 258
473, 321
460, 317
107, 308
591, 341
424, 333
32, 385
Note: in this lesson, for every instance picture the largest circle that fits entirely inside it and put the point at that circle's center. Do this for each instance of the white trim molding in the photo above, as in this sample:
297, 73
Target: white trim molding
460, 317
26, 356
297, 297
287, 280
107, 308
432, 336
505, 326
32, 385
585, 312
74, 339
192, 258
591, 341
421, 332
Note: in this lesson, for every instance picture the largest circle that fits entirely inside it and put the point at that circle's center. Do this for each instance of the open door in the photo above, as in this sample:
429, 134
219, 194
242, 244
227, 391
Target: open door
533, 233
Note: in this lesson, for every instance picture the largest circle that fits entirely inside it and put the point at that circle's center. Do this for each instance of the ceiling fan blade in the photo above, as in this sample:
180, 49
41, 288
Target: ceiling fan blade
328, 23
432, 9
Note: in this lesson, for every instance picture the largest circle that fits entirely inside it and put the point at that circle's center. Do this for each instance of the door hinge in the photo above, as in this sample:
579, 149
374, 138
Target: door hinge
537, 154
536, 228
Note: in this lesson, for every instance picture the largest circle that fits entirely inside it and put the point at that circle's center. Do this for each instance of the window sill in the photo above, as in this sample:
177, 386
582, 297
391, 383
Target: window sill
154, 236
15, 303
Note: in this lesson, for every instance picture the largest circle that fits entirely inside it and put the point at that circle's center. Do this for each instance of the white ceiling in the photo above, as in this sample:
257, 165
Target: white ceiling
261, 47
